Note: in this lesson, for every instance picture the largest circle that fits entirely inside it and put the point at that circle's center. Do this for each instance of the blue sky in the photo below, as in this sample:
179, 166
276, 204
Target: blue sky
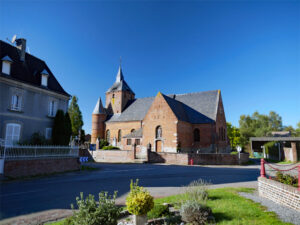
250, 50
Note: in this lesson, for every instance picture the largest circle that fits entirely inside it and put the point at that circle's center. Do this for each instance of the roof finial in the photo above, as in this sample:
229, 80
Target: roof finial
120, 74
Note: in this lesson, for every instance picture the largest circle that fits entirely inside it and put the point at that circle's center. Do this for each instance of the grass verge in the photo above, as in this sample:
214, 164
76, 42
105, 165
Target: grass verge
228, 208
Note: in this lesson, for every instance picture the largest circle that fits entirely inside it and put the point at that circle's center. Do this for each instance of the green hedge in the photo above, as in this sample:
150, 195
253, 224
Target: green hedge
110, 147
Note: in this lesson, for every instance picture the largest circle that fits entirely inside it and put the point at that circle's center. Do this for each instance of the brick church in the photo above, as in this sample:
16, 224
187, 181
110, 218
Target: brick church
166, 123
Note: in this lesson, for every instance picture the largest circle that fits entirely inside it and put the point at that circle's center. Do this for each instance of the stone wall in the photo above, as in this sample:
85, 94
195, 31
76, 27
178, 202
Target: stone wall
279, 193
113, 156
198, 159
33, 167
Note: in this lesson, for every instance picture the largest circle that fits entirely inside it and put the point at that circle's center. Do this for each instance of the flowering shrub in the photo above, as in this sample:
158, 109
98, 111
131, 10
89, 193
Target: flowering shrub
195, 213
139, 201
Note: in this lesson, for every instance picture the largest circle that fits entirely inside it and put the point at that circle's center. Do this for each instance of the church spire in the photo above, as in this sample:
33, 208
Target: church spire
99, 109
120, 76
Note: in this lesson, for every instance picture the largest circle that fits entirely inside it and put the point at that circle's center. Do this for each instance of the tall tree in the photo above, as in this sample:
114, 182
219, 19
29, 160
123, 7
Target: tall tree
258, 125
75, 116
233, 135
68, 128
58, 130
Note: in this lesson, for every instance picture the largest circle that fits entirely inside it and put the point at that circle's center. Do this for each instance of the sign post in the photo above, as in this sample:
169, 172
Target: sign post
239, 149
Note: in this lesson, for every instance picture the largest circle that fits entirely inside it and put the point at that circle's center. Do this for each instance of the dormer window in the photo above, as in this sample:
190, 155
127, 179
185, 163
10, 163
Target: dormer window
6, 64
45, 75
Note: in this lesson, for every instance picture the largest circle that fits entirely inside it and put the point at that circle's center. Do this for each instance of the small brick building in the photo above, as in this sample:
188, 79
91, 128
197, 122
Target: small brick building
169, 123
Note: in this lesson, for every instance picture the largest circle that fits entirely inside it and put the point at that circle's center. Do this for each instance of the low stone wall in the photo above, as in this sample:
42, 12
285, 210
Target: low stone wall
33, 167
279, 193
112, 156
198, 159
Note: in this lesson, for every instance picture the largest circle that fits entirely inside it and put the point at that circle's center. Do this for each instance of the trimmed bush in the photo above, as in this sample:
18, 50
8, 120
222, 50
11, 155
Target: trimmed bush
195, 213
139, 201
102, 143
110, 147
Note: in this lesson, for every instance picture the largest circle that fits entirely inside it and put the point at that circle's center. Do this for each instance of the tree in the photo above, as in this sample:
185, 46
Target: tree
68, 128
233, 135
58, 130
297, 131
258, 125
75, 116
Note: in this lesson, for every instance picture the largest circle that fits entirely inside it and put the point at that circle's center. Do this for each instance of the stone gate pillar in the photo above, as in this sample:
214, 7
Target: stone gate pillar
294, 152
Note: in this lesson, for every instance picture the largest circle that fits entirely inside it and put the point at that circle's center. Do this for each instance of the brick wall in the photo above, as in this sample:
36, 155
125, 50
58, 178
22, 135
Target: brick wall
113, 156
125, 128
160, 114
279, 193
198, 159
32, 167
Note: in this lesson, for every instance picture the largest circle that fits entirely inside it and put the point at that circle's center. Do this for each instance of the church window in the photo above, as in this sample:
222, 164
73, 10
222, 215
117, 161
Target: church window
158, 132
119, 135
196, 135
129, 141
132, 130
108, 135
137, 142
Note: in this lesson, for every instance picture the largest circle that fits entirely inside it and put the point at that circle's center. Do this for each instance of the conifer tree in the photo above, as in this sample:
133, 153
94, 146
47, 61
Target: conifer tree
58, 130
68, 128
75, 116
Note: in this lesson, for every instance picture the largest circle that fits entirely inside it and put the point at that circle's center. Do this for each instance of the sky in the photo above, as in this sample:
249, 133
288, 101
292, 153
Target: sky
250, 50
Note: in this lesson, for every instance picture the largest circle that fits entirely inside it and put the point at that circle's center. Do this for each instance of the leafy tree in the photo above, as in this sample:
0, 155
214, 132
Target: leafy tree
258, 125
58, 130
297, 133
233, 135
75, 116
68, 128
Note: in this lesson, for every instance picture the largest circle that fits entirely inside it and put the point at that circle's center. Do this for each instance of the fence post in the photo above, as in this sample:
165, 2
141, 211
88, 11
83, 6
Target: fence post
298, 177
262, 168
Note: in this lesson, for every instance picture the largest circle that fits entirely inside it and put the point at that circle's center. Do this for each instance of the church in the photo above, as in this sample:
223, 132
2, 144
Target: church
192, 122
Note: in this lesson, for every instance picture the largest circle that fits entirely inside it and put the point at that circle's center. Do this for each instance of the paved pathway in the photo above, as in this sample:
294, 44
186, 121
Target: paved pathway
48, 194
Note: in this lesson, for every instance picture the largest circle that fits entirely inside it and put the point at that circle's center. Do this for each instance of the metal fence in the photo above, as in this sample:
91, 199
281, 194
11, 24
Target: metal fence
29, 151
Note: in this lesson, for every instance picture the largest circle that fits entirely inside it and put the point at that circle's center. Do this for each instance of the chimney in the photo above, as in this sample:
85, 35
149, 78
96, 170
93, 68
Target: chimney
21, 45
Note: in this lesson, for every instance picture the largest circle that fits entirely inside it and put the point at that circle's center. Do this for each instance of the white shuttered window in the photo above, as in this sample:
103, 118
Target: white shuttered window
12, 135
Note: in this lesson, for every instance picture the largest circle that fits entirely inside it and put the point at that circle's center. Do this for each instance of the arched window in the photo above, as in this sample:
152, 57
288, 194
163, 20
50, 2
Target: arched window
119, 135
158, 132
132, 130
108, 135
196, 135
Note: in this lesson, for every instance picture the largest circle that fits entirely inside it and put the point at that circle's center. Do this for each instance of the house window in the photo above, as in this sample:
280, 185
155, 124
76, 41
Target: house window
196, 135
119, 135
45, 80
108, 135
12, 134
137, 141
6, 67
52, 108
158, 132
129, 141
48, 133
16, 102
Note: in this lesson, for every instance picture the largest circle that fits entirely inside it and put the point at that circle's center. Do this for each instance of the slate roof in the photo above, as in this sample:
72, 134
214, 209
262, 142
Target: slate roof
29, 71
99, 109
199, 107
120, 84
135, 134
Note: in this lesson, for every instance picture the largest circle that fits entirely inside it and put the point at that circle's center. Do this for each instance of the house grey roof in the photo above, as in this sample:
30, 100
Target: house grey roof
135, 134
28, 71
99, 109
199, 107
7, 58
120, 84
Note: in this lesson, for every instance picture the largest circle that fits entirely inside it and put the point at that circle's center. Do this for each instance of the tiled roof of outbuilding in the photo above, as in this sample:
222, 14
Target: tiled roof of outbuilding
29, 71
199, 107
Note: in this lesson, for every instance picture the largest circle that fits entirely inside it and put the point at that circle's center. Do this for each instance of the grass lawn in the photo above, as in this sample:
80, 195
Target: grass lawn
229, 208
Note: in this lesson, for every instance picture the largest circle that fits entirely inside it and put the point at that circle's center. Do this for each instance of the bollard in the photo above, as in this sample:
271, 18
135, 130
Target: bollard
262, 168
191, 162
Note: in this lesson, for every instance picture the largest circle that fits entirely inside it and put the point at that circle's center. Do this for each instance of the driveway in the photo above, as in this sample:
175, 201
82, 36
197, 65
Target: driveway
59, 191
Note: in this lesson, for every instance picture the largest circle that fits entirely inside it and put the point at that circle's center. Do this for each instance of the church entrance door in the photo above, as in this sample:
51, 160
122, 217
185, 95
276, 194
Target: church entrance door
158, 146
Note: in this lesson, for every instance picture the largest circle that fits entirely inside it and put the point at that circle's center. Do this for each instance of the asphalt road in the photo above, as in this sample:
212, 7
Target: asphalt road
59, 191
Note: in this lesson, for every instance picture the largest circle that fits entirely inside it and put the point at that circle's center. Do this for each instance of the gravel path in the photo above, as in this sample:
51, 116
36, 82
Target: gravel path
284, 213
